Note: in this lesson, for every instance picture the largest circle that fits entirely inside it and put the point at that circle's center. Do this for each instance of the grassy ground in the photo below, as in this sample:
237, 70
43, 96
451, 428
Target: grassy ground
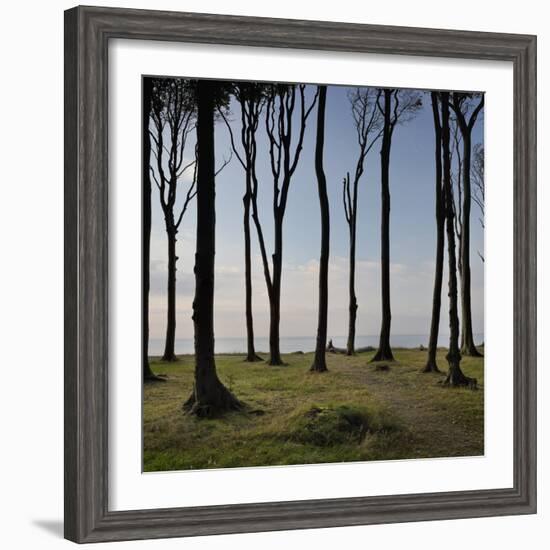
351, 413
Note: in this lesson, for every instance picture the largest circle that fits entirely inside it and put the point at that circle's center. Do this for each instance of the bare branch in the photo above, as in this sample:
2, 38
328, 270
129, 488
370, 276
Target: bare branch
232, 139
224, 163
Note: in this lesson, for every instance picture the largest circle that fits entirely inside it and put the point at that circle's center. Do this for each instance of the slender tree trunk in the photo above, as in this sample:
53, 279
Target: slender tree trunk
350, 348
431, 364
209, 397
251, 355
146, 229
384, 352
170, 342
468, 345
461, 279
455, 376
275, 296
319, 361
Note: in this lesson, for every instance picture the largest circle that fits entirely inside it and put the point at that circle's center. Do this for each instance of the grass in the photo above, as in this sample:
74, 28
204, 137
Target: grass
351, 413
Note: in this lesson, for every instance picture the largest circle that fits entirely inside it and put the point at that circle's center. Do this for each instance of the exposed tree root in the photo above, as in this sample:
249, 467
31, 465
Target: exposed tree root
431, 366
383, 355
253, 358
170, 358
318, 367
277, 363
219, 401
457, 379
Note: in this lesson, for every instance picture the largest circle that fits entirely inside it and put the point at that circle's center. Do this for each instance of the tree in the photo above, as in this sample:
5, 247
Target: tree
280, 107
366, 117
398, 106
319, 360
431, 364
462, 104
251, 99
173, 117
455, 376
148, 374
209, 396
478, 180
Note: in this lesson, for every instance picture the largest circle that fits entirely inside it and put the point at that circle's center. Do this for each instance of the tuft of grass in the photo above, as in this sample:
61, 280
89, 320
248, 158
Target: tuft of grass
350, 413
335, 425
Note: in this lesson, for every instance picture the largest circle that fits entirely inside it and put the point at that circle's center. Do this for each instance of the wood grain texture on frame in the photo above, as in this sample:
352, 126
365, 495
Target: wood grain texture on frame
87, 32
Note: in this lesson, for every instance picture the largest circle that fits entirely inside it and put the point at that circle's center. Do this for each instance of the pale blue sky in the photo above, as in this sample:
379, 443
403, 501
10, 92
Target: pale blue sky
412, 235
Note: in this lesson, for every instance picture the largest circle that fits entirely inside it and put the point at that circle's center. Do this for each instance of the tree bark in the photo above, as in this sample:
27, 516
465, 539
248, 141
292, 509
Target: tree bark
319, 361
431, 364
170, 341
350, 347
283, 165
209, 397
455, 376
275, 295
384, 352
350, 208
468, 345
249, 99
148, 374
251, 355
467, 340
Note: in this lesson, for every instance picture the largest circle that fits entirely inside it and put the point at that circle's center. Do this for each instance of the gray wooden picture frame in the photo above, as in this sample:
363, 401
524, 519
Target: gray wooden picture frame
87, 34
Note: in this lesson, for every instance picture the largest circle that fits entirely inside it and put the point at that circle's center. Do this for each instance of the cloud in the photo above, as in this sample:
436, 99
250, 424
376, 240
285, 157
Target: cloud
411, 297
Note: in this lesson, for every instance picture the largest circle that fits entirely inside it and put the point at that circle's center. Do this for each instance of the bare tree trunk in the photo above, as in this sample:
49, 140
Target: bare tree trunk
461, 279
431, 364
275, 296
367, 117
350, 348
468, 345
280, 105
455, 376
466, 126
350, 209
384, 352
249, 97
319, 361
170, 342
148, 374
251, 355
209, 397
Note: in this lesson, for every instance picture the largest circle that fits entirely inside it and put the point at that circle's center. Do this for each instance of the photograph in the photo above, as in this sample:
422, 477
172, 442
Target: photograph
312, 273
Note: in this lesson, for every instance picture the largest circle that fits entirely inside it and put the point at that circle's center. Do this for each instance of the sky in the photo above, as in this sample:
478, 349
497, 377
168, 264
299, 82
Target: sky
412, 235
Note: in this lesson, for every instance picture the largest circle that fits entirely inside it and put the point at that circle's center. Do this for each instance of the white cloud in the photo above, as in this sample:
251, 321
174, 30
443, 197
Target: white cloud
411, 292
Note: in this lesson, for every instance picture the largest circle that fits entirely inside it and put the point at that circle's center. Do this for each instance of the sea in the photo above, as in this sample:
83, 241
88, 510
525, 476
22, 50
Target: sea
291, 344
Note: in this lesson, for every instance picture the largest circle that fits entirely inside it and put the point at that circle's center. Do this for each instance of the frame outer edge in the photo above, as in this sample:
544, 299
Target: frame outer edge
87, 31
524, 279
526, 265
72, 488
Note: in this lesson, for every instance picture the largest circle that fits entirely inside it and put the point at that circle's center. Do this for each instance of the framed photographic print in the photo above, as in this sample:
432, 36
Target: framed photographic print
300, 278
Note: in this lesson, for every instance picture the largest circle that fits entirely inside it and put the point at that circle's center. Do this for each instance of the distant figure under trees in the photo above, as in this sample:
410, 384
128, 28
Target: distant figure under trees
209, 396
396, 106
367, 121
280, 118
319, 359
173, 116
462, 105
251, 99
